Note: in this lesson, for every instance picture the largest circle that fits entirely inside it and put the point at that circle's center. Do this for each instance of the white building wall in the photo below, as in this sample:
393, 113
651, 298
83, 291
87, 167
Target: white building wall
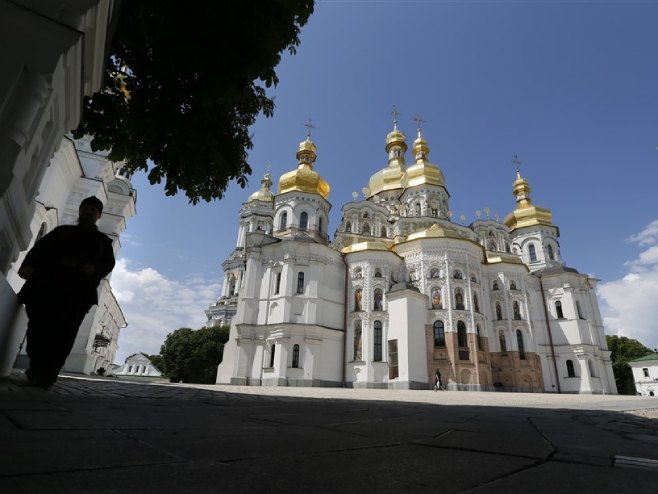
49, 63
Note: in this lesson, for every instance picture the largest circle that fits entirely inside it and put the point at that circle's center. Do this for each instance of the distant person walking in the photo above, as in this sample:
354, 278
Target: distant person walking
63, 271
437, 380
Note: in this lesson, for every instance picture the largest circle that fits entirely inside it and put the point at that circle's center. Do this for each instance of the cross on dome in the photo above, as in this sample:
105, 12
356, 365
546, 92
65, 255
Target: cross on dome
309, 125
419, 120
517, 162
395, 114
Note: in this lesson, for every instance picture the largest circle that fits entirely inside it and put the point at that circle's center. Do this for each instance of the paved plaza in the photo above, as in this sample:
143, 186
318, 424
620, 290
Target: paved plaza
89, 435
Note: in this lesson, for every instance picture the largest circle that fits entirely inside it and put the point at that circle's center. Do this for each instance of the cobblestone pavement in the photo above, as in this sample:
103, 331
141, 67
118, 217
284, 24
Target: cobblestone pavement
109, 435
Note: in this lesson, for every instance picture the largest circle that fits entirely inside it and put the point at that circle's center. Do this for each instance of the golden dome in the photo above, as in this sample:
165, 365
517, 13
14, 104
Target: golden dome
304, 178
423, 172
392, 177
396, 137
264, 193
526, 213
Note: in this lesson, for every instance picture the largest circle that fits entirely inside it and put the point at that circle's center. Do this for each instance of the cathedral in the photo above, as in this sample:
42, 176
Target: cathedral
401, 290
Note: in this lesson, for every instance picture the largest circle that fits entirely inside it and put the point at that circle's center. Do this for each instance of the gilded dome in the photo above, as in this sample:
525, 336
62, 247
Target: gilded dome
264, 193
304, 178
393, 176
396, 137
423, 172
526, 213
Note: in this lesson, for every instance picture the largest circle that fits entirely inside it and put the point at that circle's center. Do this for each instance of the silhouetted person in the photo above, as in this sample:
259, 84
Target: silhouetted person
63, 271
437, 380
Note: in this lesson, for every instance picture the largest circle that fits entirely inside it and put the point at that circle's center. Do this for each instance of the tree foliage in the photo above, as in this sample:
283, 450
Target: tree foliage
192, 356
156, 360
183, 84
623, 351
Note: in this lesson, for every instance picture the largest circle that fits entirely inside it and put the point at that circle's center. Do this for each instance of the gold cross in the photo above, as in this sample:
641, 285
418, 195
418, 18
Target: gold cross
395, 114
309, 125
419, 120
517, 162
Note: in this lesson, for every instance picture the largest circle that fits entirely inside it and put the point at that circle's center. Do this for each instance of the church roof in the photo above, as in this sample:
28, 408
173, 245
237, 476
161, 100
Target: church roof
264, 193
304, 178
363, 246
646, 358
396, 175
436, 231
526, 213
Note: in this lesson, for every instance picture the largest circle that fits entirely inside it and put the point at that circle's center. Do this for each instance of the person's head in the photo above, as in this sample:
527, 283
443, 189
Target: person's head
90, 211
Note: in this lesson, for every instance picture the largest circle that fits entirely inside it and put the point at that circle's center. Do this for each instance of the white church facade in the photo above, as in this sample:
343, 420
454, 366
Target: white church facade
76, 172
401, 290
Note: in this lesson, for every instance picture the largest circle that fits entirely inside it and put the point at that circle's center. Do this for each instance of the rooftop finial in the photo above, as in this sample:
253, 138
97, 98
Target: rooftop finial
419, 120
517, 163
395, 114
309, 125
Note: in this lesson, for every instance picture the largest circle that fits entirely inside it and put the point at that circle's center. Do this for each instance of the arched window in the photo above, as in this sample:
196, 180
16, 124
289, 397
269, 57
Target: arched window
507, 248
476, 303
499, 311
439, 335
558, 310
418, 210
357, 340
519, 341
366, 229
303, 221
492, 245
436, 298
474, 279
320, 225
358, 273
378, 299
503, 344
378, 273
383, 232
358, 299
365, 215
459, 299
495, 285
295, 356
512, 285
517, 310
377, 337
551, 254
457, 274
283, 222
300, 282
272, 350
277, 285
532, 252
462, 342
348, 227
570, 370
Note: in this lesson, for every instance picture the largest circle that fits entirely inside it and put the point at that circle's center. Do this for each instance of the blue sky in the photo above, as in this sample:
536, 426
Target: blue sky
569, 86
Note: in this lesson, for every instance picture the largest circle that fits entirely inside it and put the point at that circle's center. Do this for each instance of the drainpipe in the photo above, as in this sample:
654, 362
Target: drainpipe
550, 335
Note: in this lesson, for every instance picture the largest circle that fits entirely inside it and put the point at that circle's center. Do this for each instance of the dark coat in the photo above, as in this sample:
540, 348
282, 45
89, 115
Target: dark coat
57, 260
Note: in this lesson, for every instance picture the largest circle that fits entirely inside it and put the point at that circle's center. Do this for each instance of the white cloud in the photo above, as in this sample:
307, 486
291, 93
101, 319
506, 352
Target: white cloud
647, 236
155, 305
629, 305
